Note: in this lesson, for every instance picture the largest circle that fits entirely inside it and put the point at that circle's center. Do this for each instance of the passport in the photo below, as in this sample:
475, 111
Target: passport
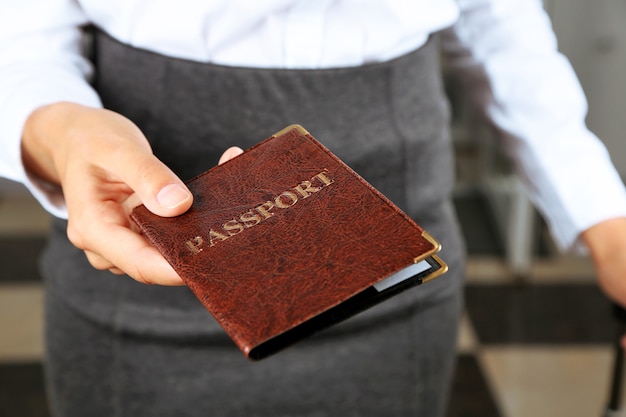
286, 240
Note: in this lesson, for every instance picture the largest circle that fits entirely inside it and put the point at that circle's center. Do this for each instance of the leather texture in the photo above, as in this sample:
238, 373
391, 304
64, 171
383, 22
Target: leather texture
281, 234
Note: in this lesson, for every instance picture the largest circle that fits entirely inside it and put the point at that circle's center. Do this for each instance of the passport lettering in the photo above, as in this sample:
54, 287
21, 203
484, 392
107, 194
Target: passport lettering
260, 213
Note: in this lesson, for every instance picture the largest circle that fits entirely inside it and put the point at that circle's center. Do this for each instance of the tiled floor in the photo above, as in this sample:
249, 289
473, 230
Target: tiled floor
544, 349
535, 347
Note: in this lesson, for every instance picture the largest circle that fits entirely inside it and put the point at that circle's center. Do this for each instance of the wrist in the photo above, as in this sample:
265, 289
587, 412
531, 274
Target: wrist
42, 139
606, 239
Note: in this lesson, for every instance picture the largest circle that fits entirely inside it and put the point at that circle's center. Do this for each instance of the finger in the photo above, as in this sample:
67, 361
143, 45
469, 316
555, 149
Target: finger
109, 244
158, 188
134, 256
229, 154
99, 224
97, 261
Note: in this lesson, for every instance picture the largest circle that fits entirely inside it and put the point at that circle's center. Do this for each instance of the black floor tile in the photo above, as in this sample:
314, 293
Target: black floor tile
470, 395
22, 391
540, 314
19, 258
481, 232
479, 229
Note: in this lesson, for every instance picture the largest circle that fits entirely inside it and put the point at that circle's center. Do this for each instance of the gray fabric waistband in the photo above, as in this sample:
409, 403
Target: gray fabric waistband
388, 120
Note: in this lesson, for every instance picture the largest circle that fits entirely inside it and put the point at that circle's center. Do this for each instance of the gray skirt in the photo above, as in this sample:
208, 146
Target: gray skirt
119, 348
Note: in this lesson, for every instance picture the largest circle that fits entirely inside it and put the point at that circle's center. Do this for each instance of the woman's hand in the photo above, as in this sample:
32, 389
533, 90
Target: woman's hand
105, 166
607, 244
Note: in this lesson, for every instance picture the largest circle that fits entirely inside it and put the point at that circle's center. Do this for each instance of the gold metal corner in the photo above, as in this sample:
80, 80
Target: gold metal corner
295, 126
432, 240
436, 247
442, 270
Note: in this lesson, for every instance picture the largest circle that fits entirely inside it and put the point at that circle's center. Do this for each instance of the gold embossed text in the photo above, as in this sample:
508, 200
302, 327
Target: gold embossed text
260, 213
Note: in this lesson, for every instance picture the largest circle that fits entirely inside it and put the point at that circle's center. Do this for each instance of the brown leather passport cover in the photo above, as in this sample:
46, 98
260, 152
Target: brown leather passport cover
285, 240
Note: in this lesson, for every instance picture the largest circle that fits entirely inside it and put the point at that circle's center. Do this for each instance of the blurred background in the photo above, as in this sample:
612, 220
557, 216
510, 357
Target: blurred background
537, 334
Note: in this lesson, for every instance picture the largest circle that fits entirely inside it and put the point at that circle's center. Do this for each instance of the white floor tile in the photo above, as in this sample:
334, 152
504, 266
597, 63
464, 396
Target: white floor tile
21, 322
467, 342
549, 381
559, 269
22, 216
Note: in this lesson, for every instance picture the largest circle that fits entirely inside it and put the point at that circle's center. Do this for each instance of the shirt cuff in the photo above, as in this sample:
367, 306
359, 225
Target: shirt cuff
607, 201
577, 194
12, 121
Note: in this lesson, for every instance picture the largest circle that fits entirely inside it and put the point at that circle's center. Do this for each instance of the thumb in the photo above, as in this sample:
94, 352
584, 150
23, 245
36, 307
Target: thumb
173, 199
158, 188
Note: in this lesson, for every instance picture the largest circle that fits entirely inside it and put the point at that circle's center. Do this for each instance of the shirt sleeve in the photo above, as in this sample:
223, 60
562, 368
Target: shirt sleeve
40, 63
506, 54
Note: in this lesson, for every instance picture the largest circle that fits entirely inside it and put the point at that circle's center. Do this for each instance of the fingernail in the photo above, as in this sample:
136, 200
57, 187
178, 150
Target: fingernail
172, 195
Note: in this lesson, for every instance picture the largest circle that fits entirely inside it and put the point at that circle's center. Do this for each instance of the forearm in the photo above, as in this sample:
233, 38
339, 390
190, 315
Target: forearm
508, 57
40, 63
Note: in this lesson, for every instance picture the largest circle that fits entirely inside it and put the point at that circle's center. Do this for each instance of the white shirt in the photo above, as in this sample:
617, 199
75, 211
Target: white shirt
505, 50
